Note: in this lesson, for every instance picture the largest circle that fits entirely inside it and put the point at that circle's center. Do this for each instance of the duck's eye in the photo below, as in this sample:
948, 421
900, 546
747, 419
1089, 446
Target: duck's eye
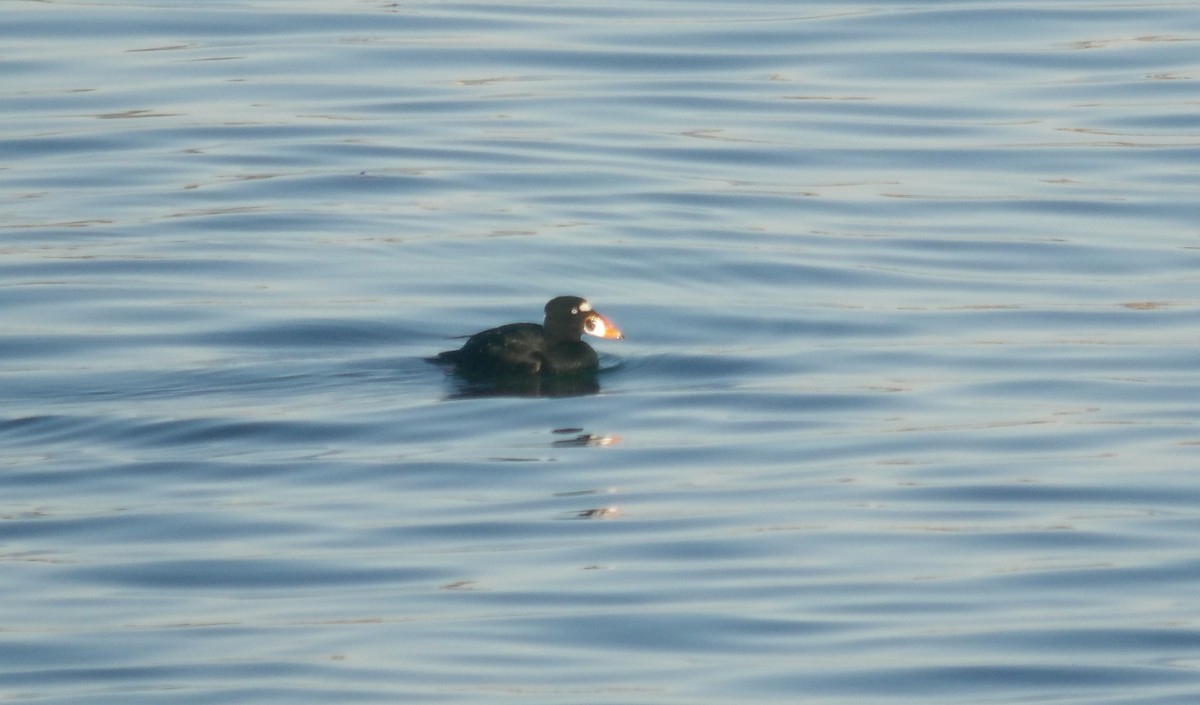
574, 311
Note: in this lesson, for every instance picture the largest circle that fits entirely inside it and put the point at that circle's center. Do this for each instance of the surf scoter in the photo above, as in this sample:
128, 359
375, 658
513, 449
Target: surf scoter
531, 350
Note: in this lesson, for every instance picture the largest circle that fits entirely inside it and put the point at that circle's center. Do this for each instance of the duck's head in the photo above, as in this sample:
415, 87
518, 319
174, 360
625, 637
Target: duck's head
571, 316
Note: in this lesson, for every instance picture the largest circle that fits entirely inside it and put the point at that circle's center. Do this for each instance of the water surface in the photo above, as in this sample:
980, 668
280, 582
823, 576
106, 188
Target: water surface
906, 410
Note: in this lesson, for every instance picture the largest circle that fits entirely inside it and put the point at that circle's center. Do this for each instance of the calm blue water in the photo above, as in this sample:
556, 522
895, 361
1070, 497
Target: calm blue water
907, 410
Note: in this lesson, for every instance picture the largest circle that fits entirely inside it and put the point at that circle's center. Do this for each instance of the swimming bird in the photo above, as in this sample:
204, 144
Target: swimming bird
552, 348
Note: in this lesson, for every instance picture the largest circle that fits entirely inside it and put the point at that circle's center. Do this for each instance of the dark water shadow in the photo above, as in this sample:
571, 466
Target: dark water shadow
476, 387
530, 386
523, 386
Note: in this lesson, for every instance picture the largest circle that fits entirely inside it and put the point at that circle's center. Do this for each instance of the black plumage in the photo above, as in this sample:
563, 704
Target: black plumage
552, 348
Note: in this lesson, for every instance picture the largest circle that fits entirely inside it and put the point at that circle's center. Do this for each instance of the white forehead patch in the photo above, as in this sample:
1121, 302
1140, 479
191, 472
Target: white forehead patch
585, 306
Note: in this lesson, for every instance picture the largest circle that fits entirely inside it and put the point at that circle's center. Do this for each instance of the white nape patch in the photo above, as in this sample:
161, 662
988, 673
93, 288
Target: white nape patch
585, 306
594, 325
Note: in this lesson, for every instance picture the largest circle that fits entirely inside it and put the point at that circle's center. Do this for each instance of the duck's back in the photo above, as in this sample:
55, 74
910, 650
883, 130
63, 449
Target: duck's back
517, 348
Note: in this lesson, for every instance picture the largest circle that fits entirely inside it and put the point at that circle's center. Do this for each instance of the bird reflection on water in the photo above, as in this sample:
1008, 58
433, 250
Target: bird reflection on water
576, 385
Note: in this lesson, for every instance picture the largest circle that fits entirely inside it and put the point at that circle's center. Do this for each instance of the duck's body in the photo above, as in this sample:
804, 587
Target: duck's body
520, 349
550, 349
